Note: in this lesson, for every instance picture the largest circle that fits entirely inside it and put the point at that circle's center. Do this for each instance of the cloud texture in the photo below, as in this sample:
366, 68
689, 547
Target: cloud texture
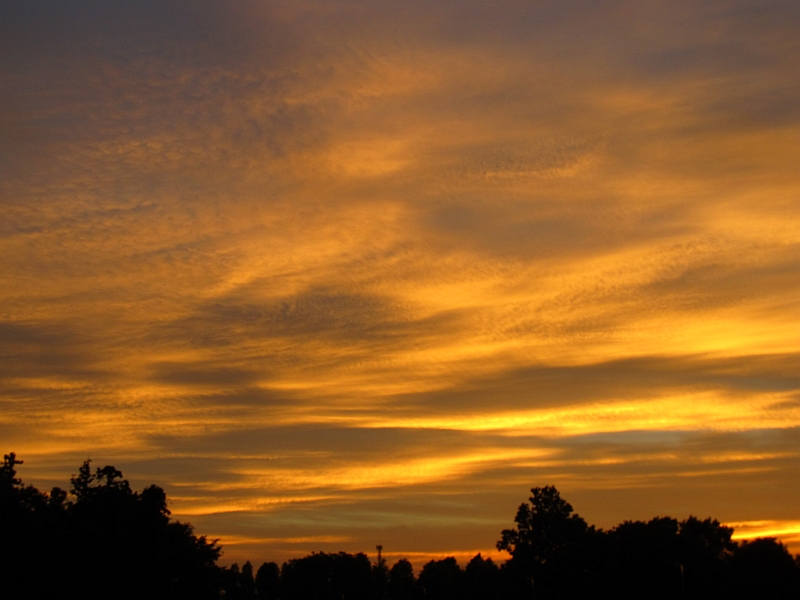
336, 273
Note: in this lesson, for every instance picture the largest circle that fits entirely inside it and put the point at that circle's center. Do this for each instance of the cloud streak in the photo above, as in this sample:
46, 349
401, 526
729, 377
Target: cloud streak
373, 261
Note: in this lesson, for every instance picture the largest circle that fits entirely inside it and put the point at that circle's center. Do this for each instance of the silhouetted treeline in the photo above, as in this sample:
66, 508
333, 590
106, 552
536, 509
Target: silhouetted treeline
101, 541
104, 540
561, 556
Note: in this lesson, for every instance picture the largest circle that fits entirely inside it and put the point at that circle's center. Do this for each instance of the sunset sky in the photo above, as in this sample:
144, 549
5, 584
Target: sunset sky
338, 274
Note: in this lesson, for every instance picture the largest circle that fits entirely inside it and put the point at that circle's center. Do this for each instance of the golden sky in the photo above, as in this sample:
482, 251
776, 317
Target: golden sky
337, 274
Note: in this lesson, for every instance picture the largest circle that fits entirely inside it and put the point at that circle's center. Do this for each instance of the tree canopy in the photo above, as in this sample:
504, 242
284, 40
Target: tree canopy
104, 540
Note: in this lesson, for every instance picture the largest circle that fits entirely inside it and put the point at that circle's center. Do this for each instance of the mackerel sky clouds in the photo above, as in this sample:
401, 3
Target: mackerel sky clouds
346, 273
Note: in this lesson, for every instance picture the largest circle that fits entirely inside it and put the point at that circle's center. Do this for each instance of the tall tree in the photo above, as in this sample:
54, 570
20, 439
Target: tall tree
550, 546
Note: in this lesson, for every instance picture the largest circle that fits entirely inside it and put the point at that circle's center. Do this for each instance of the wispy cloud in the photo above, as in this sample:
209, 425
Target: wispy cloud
375, 259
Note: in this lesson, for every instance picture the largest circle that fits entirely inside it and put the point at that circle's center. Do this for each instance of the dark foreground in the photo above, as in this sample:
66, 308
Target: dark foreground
103, 540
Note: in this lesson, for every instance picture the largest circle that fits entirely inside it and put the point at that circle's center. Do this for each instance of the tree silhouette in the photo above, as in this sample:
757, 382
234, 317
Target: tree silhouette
705, 548
550, 547
109, 542
647, 559
764, 569
131, 539
106, 541
267, 578
545, 527
481, 579
239, 584
401, 581
442, 579
31, 534
322, 576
